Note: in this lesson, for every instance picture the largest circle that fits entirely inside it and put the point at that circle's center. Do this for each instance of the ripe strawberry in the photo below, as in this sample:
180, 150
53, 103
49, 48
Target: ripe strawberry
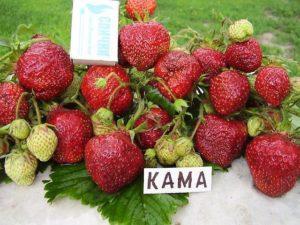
245, 56
179, 71
155, 119
272, 84
9, 96
220, 141
46, 69
212, 61
229, 92
274, 163
113, 161
140, 8
106, 86
42, 142
142, 44
73, 130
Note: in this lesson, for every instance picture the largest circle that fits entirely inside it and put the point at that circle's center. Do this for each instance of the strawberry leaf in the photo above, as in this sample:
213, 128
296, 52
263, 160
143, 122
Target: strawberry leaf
129, 206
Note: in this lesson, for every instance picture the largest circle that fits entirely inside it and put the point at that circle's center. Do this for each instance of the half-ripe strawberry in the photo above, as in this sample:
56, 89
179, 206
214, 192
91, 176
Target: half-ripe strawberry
142, 44
140, 8
107, 87
244, 56
272, 84
229, 92
178, 72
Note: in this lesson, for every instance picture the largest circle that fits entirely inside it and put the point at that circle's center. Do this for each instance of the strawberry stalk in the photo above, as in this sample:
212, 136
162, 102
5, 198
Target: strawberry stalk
200, 120
139, 111
37, 110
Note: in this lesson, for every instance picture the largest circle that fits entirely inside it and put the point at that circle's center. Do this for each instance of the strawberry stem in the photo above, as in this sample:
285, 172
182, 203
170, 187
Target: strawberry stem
81, 106
37, 110
200, 120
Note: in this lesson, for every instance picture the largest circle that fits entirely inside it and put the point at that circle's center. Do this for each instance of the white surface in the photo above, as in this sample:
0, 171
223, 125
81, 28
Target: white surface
233, 200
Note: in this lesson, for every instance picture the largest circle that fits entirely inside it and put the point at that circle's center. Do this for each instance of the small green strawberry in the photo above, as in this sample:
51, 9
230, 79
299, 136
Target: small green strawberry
183, 146
19, 129
240, 31
150, 158
42, 142
190, 160
74, 88
255, 126
103, 122
20, 166
165, 151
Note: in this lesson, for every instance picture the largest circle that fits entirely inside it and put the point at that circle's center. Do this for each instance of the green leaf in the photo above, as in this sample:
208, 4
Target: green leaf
215, 167
180, 104
127, 207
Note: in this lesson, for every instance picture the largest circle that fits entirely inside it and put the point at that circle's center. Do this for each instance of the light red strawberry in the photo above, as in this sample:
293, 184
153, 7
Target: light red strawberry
113, 161
220, 141
154, 119
244, 56
142, 44
179, 72
272, 84
9, 96
107, 87
274, 163
73, 130
229, 92
46, 69
140, 8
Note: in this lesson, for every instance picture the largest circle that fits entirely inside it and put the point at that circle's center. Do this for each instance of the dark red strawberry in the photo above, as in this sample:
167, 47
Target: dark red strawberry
229, 92
140, 8
73, 129
9, 96
274, 163
142, 44
113, 161
212, 61
220, 141
272, 84
155, 119
46, 69
107, 86
245, 56
179, 72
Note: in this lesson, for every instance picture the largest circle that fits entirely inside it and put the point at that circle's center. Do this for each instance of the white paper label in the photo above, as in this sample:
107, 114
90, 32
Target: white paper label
177, 180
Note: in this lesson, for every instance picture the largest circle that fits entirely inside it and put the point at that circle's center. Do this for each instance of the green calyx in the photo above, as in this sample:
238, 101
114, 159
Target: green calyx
101, 82
255, 126
150, 158
165, 151
240, 30
190, 160
183, 146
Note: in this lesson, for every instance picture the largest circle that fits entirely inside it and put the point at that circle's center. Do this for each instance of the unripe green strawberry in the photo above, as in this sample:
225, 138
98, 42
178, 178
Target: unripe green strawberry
150, 158
74, 88
20, 166
42, 142
255, 126
183, 146
190, 160
240, 30
103, 122
19, 129
165, 151
4, 148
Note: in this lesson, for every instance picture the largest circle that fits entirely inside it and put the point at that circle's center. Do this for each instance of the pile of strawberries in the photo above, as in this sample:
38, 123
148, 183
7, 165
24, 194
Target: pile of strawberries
185, 106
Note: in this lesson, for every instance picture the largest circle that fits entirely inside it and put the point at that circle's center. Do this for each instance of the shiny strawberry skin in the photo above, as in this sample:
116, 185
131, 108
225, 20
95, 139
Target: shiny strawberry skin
179, 71
113, 161
244, 56
272, 84
220, 141
154, 119
98, 97
229, 92
73, 129
142, 44
9, 96
139, 7
212, 61
274, 163
46, 69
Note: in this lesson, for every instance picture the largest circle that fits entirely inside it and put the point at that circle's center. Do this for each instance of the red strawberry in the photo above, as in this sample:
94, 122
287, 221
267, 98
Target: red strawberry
179, 71
9, 96
154, 119
46, 69
274, 163
142, 44
212, 61
101, 87
113, 161
245, 56
73, 129
272, 84
229, 92
220, 141
140, 8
